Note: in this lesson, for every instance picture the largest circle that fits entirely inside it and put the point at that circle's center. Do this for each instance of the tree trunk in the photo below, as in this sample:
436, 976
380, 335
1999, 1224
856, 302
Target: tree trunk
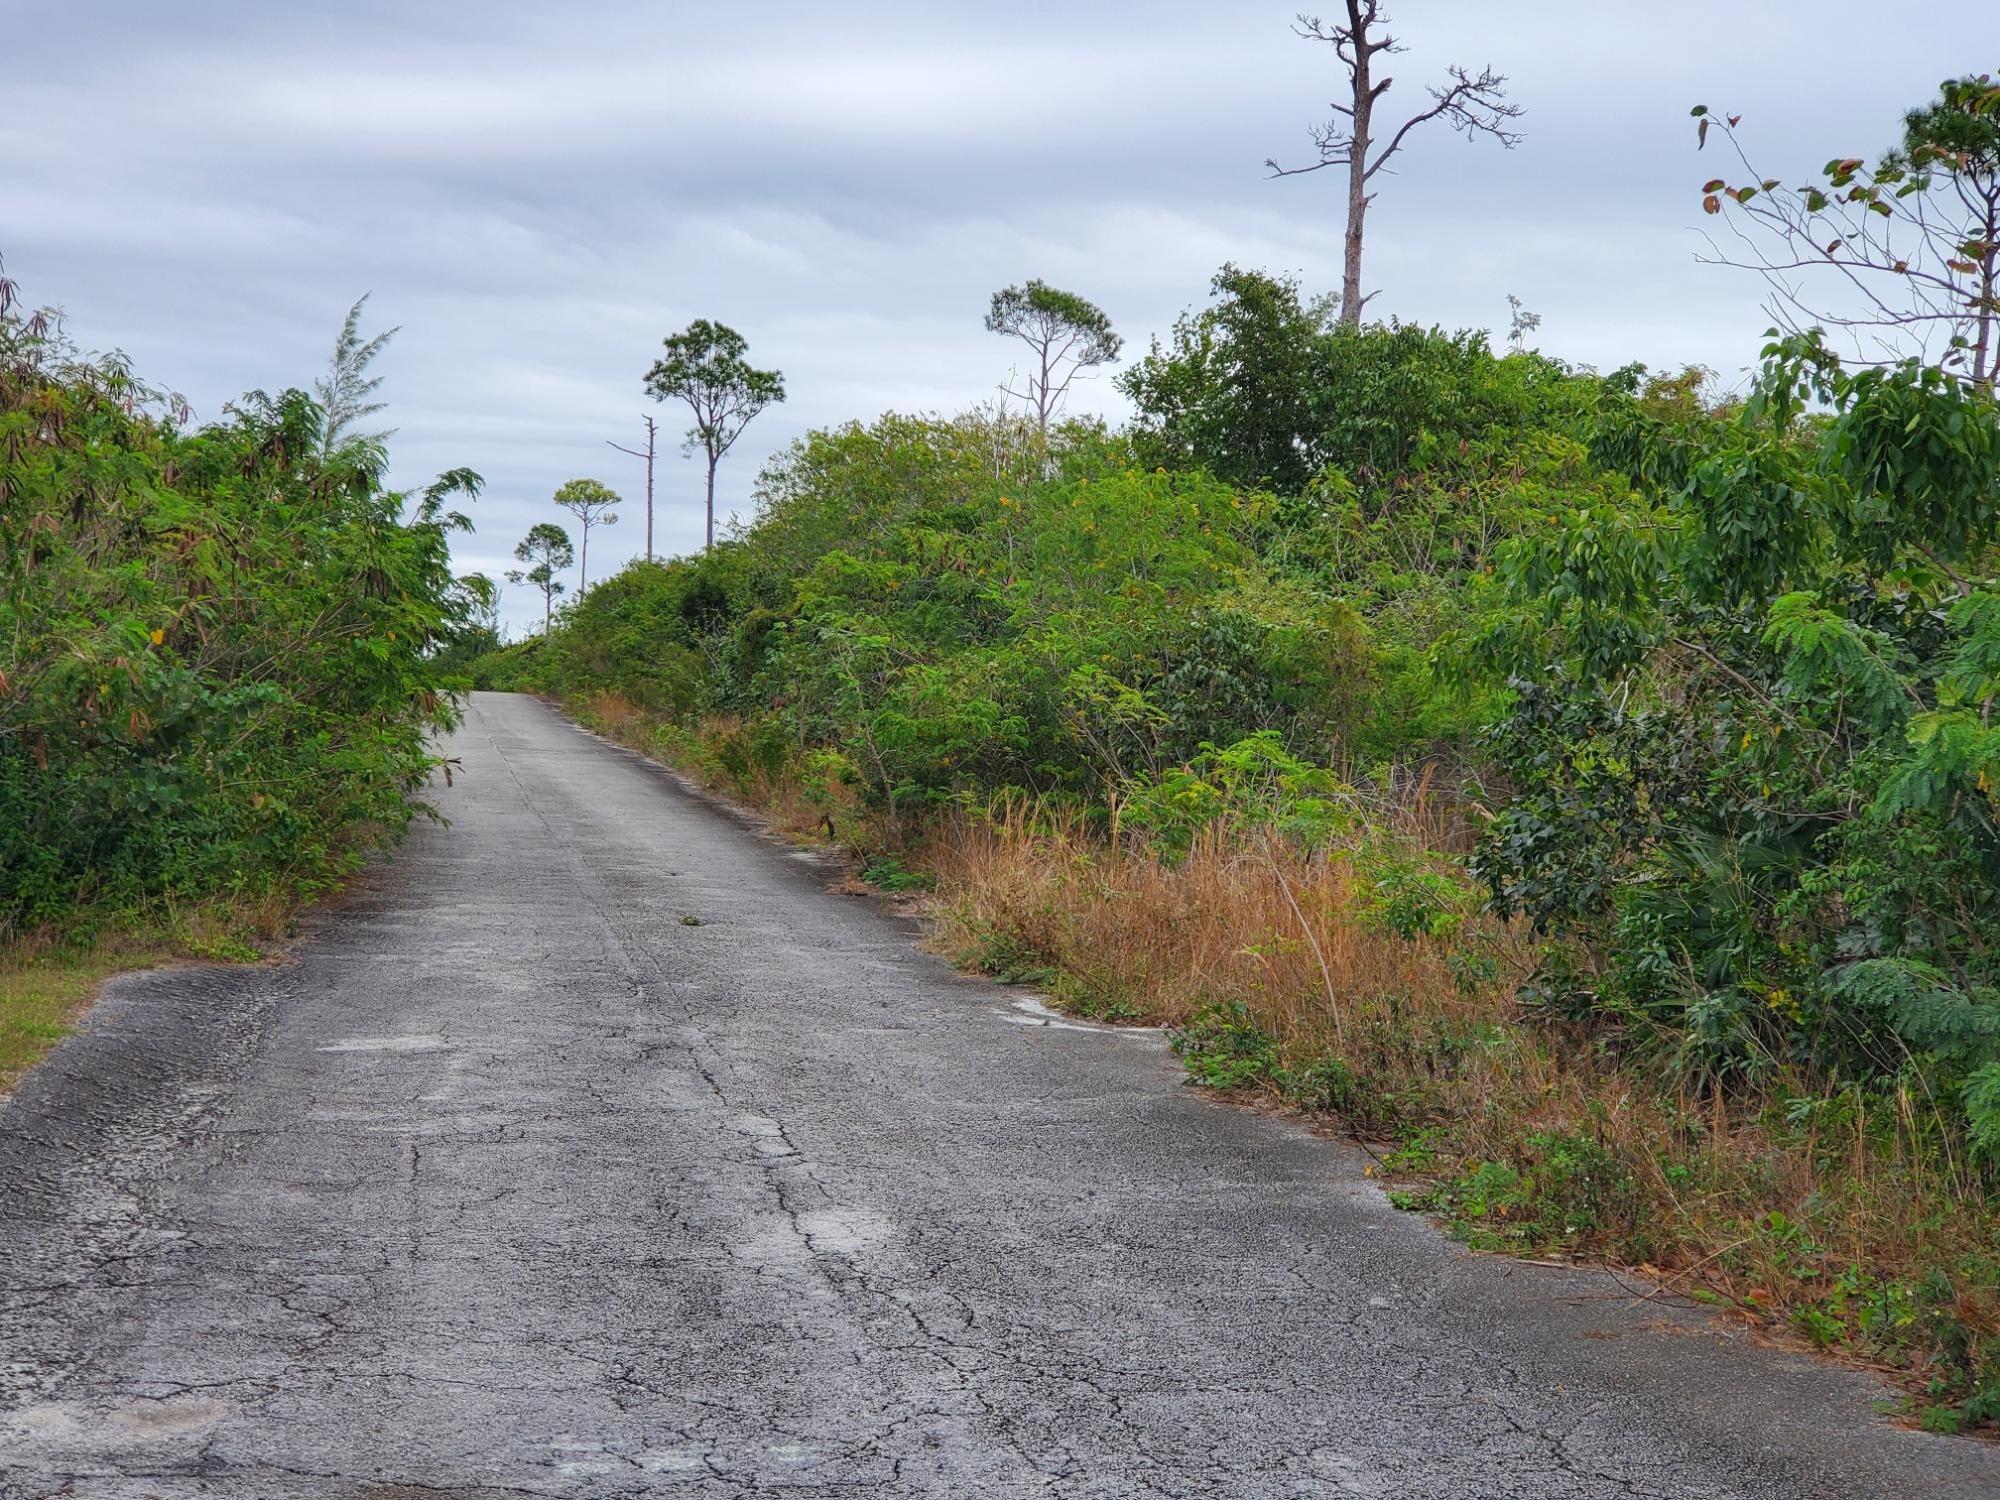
1042, 400
650, 429
1983, 360
710, 547
1982, 351
1351, 295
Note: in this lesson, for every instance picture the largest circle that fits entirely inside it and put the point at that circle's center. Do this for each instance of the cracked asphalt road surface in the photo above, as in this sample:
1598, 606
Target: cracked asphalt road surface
517, 1182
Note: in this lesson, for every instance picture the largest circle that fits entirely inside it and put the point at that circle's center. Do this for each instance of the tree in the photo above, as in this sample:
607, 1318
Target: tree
1233, 392
652, 435
704, 366
1520, 323
344, 391
1915, 239
476, 600
1066, 334
547, 548
1470, 104
591, 503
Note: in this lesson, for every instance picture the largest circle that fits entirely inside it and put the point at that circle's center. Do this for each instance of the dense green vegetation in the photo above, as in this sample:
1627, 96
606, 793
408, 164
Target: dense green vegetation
218, 667
1750, 732
958, 610
1653, 729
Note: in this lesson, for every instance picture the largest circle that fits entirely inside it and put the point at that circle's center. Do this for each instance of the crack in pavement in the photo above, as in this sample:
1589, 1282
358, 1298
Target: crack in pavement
510, 1183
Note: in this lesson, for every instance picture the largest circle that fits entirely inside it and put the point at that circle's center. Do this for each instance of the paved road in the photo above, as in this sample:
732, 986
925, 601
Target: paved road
516, 1182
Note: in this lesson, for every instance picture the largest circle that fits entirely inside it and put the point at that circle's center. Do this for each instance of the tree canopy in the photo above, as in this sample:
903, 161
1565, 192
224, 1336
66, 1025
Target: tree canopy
1902, 257
1066, 335
346, 391
219, 644
593, 504
706, 367
547, 551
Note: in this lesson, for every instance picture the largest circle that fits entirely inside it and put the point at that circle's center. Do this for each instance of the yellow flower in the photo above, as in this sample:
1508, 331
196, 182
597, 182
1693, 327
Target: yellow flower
158, 637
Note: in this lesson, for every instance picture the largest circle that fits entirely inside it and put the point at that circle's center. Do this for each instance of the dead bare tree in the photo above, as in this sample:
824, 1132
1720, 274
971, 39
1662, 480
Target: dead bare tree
1472, 104
652, 435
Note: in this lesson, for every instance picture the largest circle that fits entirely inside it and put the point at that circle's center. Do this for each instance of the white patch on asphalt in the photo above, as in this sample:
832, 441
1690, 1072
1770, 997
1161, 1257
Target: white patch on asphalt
122, 1428
57, 1422
1038, 1014
844, 1231
384, 1044
766, 1136
670, 1460
1347, 1474
162, 1418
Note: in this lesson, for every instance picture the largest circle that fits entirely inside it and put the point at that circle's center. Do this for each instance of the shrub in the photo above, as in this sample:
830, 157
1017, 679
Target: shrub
220, 662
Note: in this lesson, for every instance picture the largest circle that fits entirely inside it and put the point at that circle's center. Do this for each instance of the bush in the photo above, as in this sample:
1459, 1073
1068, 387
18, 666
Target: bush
219, 670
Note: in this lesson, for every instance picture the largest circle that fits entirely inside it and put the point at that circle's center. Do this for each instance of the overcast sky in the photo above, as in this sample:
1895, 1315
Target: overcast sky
538, 193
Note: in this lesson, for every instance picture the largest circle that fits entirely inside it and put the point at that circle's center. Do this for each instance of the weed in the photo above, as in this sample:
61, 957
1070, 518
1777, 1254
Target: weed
887, 872
1520, 1127
223, 948
1223, 1047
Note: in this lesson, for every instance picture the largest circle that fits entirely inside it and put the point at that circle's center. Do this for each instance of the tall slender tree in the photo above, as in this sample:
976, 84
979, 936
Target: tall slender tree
652, 436
1065, 333
1472, 104
705, 367
592, 504
547, 551
345, 389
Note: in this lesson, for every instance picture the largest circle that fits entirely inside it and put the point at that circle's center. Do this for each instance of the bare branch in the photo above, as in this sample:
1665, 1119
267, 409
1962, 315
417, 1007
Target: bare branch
1909, 241
1473, 104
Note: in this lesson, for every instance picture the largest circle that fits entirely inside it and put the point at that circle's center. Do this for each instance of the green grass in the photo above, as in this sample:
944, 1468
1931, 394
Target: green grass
44, 991
46, 985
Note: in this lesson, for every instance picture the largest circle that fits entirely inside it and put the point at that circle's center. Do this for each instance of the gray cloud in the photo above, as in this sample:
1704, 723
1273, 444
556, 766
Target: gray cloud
538, 194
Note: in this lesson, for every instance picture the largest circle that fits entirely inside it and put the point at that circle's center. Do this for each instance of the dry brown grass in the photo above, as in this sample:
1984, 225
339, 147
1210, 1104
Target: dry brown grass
1257, 924
1829, 1220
